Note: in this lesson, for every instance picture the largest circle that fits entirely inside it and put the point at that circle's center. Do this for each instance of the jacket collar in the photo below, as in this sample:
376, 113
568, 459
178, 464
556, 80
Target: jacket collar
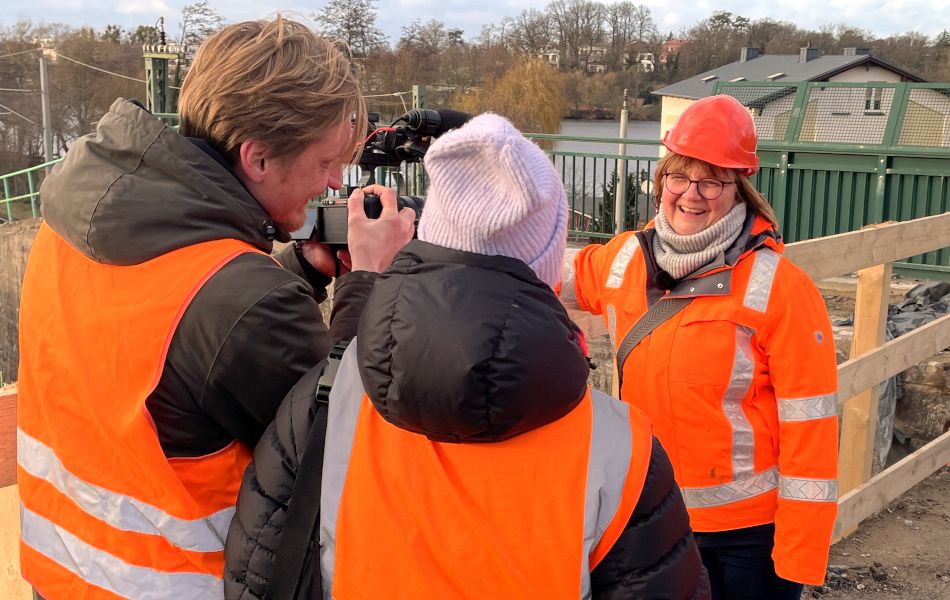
714, 279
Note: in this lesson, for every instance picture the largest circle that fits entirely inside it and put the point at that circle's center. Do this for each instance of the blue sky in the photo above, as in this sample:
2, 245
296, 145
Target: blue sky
881, 17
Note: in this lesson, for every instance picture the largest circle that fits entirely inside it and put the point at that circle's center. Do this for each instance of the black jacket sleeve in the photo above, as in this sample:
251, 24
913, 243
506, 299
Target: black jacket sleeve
350, 292
655, 556
265, 492
293, 261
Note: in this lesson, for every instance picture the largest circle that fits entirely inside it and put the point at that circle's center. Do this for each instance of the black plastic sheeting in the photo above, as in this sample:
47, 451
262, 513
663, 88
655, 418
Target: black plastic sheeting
921, 305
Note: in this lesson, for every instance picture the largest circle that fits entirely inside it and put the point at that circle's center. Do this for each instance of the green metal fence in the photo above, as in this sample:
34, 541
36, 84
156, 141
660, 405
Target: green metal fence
21, 192
593, 179
838, 156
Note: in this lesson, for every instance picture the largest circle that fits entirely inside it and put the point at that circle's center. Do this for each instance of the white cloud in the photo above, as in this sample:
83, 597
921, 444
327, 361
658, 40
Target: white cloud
143, 7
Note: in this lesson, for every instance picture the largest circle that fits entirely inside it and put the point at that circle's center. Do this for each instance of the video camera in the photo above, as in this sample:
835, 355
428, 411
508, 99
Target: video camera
387, 147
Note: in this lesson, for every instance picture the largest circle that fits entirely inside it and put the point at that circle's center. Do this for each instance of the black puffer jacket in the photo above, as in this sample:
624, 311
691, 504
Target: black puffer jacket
458, 346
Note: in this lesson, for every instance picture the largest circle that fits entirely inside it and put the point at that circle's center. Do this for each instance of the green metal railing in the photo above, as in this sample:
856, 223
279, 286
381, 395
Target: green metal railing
592, 181
21, 192
836, 157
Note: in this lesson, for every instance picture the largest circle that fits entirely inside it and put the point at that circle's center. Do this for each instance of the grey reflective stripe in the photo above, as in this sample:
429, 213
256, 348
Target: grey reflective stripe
734, 491
811, 490
807, 409
345, 400
622, 261
611, 447
760, 282
108, 572
118, 510
568, 295
743, 440
612, 324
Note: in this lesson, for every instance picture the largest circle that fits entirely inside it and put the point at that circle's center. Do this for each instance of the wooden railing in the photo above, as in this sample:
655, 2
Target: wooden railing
870, 252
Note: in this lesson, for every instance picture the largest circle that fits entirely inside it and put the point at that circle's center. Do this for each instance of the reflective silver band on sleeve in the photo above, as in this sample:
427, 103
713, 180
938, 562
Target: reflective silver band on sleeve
740, 379
345, 401
619, 266
760, 282
108, 572
810, 490
807, 409
734, 491
611, 447
568, 295
120, 511
612, 324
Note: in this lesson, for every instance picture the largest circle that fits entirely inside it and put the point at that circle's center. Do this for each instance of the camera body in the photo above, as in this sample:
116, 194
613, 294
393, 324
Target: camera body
387, 147
327, 221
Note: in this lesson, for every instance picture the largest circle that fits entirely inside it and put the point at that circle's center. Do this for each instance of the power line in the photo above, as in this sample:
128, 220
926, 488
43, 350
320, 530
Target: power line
20, 52
61, 55
28, 120
396, 94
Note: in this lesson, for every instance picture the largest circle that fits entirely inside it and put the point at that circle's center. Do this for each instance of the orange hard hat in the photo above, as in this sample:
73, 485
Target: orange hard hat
718, 130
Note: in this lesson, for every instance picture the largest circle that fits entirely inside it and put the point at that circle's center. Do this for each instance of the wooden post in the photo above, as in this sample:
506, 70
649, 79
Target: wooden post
12, 586
860, 412
7, 437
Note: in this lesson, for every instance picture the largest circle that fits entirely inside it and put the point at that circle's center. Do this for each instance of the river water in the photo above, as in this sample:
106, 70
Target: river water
638, 130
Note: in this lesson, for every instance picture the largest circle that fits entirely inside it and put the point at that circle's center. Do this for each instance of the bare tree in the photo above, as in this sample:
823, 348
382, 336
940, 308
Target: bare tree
143, 34
578, 24
531, 32
353, 21
627, 24
198, 21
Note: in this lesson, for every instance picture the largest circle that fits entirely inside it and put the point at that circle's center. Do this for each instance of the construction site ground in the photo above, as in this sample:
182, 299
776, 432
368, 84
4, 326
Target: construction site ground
903, 551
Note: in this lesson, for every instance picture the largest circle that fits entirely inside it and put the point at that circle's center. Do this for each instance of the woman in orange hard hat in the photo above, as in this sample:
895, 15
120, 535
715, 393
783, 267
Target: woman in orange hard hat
727, 347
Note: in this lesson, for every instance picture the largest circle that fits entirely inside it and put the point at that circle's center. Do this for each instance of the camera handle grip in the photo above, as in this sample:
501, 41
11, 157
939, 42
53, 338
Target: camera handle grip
372, 206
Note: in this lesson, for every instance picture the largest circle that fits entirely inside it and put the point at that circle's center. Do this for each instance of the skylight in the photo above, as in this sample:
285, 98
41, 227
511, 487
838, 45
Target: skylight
709, 78
738, 79
775, 76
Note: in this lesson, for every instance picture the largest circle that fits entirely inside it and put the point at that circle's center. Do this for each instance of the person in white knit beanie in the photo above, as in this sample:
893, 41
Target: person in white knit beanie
492, 191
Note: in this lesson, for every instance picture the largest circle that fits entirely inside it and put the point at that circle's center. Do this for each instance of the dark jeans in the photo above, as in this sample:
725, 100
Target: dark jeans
740, 565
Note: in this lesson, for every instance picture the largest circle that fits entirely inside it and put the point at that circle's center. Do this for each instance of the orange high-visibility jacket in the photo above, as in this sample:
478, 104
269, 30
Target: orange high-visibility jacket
104, 513
403, 516
740, 386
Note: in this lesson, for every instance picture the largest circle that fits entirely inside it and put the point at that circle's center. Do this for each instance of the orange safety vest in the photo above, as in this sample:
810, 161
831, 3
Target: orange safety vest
529, 517
740, 386
104, 513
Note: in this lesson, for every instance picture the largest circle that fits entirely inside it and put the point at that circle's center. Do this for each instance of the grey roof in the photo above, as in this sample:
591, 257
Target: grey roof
761, 67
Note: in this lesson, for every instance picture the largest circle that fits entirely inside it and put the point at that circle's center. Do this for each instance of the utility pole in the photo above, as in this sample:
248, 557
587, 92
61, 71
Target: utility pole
46, 55
620, 190
157, 56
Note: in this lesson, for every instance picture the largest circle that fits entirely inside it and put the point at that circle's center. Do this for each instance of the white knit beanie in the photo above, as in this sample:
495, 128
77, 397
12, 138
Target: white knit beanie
492, 191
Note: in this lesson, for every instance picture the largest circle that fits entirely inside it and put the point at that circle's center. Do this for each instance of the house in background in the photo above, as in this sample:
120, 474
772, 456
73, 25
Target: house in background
862, 110
552, 57
669, 49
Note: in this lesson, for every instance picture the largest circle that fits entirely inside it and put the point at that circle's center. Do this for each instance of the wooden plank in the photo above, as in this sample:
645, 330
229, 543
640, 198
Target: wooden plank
7, 437
860, 412
894, 357
873, 495
888, 242
12, 586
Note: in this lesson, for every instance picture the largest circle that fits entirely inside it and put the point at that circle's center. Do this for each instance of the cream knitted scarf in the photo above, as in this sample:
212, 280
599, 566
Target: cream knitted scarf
680, 255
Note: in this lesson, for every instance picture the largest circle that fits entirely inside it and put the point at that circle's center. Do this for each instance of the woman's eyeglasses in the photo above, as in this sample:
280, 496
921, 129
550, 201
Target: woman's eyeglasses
709, 188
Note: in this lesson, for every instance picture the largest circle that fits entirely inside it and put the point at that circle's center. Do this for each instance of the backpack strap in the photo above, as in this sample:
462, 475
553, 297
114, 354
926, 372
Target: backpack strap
303, 507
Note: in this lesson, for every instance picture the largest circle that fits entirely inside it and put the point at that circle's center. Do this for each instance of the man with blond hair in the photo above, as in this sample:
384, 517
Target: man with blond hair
158, 334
